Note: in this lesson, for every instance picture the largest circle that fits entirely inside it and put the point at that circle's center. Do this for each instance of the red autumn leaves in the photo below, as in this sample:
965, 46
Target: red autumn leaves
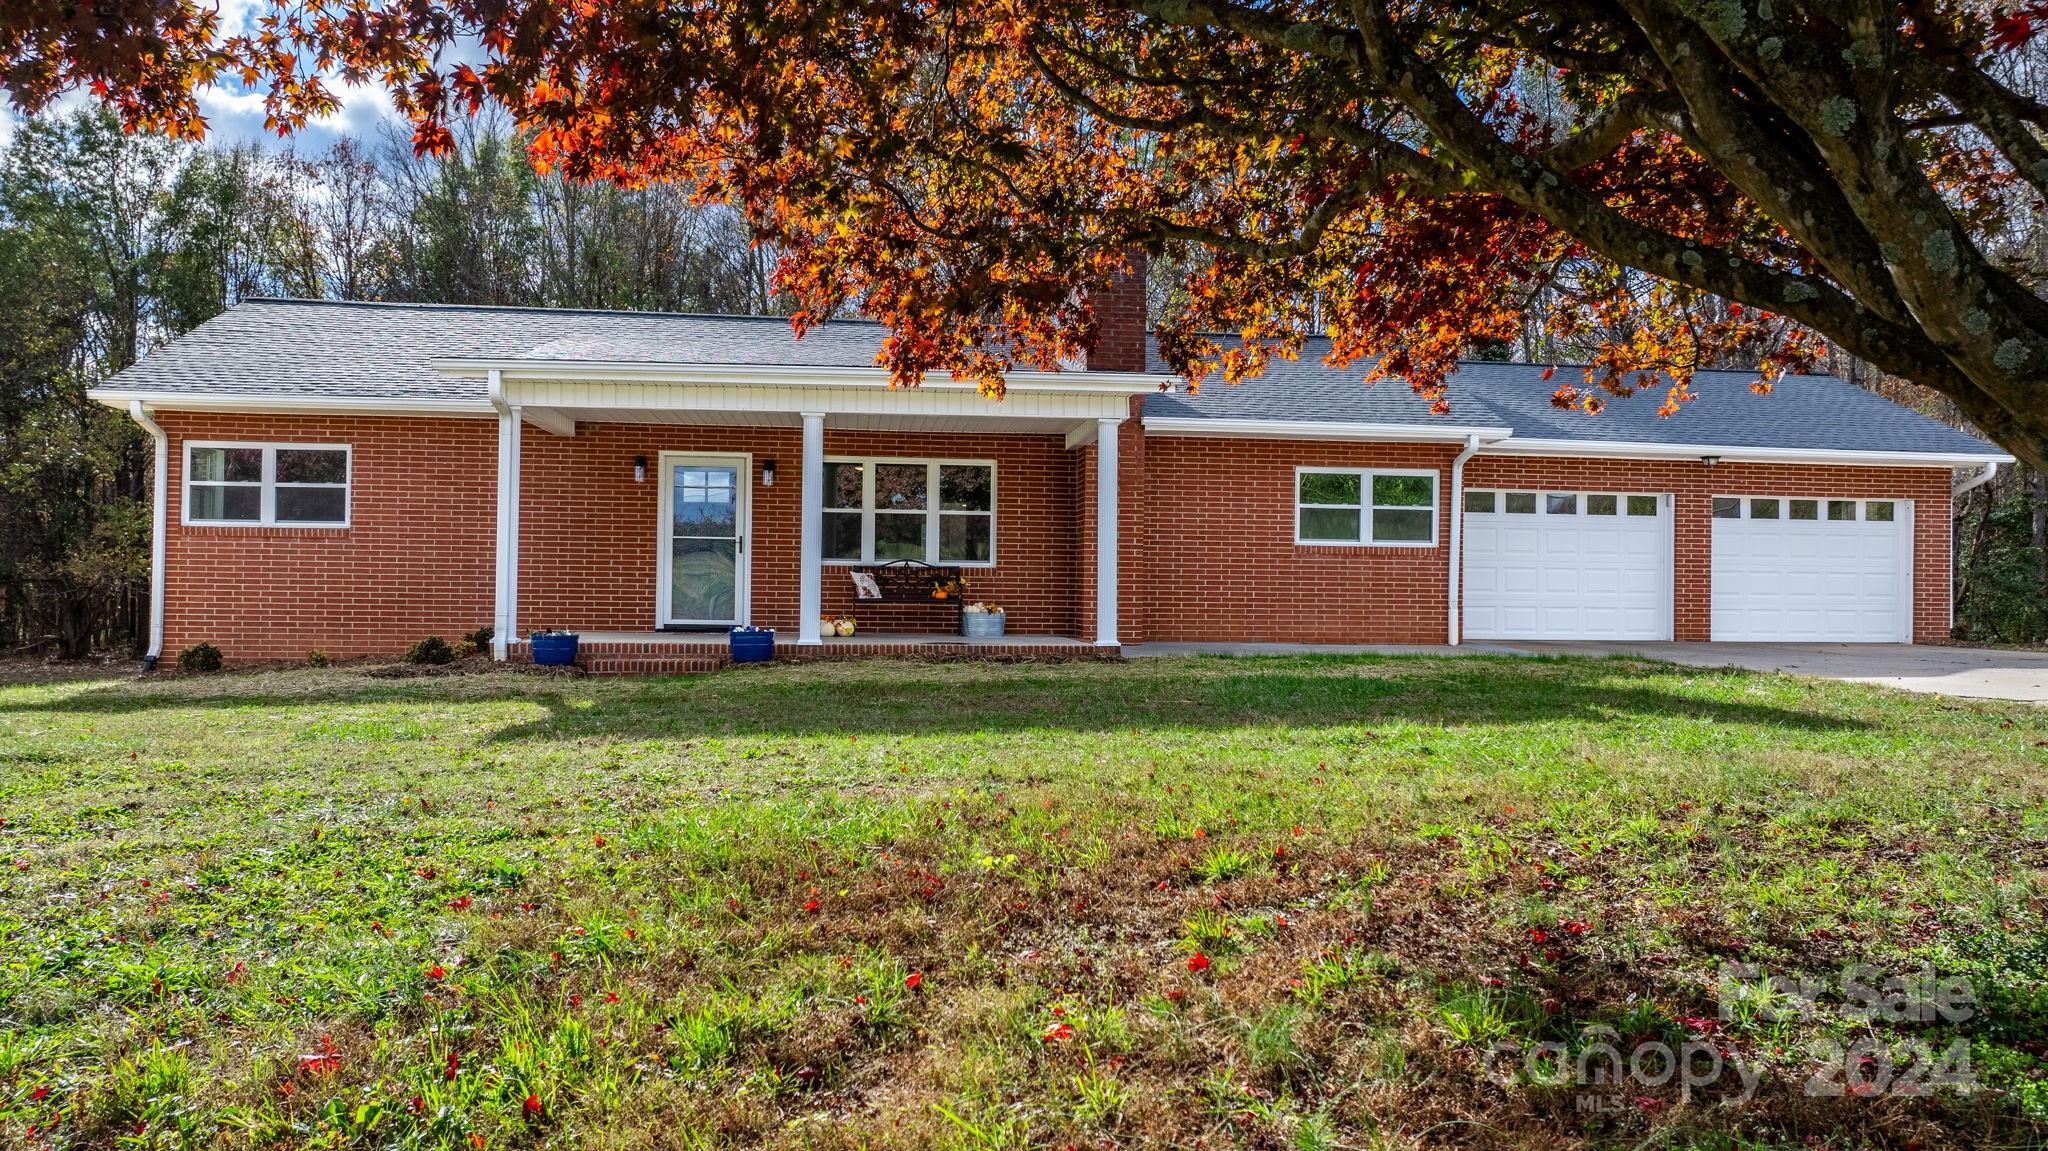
2012, 32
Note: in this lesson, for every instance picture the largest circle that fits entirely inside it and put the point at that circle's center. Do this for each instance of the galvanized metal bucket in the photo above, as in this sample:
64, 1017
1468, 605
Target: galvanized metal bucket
981, 624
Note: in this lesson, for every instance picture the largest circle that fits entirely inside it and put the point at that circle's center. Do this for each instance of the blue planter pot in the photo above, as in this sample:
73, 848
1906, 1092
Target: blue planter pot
554, 650
752, 646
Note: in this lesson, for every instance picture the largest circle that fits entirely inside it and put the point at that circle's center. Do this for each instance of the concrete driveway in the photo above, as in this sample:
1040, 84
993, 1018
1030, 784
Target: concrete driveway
1983, 673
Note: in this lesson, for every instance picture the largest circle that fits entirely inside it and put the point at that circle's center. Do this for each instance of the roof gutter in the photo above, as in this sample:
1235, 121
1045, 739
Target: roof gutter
777, 375
287, 402
159, 516
1457, 567
1595, 449
1320, 430
1964, 487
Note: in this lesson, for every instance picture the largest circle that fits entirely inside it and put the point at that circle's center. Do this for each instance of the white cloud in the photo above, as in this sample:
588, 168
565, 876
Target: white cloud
237, 114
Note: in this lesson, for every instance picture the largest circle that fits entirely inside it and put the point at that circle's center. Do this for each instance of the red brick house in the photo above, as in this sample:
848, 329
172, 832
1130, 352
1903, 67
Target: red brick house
351, 477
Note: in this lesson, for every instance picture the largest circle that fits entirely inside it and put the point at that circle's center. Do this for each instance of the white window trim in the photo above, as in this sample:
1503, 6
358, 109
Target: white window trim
933, 512
268, 485
1366, 507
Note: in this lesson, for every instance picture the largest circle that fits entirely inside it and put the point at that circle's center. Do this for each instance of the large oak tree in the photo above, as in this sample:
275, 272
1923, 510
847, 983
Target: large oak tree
1685, 181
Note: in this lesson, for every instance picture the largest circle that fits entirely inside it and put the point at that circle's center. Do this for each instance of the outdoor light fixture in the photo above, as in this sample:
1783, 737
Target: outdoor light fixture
767, 473
639, 469
1710, 461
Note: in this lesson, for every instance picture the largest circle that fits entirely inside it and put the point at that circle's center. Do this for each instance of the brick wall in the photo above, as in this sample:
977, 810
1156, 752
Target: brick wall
1224, 565
1207, 530
1694, 485
418, 555
416, 558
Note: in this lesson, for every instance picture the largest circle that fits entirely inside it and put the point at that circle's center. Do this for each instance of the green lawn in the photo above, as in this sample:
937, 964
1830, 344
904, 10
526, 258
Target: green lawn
1252, 903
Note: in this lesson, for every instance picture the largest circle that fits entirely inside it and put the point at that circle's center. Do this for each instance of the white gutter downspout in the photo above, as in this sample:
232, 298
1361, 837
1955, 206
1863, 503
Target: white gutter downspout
159, 516
1457, 580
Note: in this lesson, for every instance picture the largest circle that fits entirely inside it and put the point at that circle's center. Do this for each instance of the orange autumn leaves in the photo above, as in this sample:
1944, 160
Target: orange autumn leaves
964, 174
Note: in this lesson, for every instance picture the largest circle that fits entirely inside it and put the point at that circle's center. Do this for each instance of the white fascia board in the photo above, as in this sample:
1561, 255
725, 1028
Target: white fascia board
291, 403
780, 375
1743, 455
1319, 430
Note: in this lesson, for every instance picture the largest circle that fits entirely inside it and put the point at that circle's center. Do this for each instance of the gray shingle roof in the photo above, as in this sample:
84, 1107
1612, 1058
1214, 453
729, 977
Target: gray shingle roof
383, 351
1814, 411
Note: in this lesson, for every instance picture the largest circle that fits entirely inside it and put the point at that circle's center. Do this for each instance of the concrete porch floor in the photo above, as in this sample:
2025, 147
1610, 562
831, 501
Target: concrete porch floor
589, 639
691, 652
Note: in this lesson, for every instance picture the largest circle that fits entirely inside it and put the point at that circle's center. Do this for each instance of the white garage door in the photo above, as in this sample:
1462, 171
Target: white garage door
1789, 569
1567, 565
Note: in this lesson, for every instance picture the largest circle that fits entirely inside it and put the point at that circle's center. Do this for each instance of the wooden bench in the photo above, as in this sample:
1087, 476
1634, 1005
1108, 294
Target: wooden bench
912, 581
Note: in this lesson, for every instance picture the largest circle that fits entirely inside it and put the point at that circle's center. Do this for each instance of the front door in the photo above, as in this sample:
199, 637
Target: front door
704, 545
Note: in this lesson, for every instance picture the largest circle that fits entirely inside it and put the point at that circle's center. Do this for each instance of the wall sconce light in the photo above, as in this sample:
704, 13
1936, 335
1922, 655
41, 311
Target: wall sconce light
639, 469
1710, 461
767, 473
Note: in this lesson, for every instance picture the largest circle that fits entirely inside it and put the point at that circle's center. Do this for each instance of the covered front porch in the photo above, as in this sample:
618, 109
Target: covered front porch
649, 507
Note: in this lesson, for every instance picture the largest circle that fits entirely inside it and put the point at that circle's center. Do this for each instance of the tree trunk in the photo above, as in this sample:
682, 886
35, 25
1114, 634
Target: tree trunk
1980, 548
2041, 533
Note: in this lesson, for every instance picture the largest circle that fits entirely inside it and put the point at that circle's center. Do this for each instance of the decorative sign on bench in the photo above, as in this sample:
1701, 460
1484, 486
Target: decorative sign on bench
909, 581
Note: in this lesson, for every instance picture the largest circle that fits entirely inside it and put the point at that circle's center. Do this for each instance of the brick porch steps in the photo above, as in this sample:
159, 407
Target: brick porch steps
653, 664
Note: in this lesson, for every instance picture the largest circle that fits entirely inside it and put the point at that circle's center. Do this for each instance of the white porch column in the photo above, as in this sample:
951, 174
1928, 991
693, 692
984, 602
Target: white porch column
810, 573
505, 588
1105, 532
512, 523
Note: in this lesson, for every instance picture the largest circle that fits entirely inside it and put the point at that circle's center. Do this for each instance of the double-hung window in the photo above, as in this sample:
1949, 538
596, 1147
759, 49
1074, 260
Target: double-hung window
1359, 506
287, 485
933, 511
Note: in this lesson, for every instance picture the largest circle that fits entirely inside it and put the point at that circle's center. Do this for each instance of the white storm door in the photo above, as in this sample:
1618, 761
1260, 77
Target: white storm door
704, 564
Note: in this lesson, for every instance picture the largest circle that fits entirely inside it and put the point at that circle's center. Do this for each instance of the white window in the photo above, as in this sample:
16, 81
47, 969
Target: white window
933, 511
1352, 506
290, 485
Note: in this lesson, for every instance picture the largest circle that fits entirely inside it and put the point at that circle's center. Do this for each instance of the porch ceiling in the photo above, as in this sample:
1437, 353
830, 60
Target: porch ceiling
855, 421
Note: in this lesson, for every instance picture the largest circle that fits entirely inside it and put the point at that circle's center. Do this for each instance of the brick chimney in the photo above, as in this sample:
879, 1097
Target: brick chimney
1119, 307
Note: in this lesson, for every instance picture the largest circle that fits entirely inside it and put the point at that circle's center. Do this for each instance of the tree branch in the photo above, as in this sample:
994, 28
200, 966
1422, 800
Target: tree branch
1610, 127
